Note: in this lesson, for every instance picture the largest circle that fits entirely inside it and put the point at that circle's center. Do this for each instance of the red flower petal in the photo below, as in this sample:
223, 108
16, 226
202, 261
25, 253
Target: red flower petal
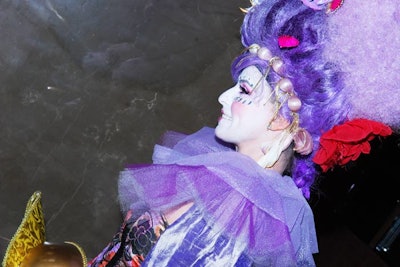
346, 142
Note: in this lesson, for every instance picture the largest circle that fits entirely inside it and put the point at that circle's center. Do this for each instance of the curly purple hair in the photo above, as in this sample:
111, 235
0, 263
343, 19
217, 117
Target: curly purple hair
317, 82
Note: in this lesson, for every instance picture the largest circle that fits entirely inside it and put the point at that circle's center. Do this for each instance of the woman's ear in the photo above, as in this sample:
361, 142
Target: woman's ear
279, 124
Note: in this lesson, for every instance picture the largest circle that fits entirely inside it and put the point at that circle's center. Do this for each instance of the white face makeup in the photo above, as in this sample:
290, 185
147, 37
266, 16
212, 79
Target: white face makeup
246, 109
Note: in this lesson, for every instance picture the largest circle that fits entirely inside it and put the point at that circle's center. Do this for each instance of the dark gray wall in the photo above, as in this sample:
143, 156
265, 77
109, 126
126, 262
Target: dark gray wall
89, 86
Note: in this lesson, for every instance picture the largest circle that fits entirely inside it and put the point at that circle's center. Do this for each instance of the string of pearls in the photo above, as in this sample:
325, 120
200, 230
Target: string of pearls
302, 138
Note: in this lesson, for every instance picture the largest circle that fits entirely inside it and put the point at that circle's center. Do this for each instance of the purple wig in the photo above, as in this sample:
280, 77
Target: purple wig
365, 41
317, 82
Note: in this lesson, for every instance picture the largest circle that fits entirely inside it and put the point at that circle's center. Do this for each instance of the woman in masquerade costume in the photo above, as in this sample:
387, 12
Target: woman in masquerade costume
205, 202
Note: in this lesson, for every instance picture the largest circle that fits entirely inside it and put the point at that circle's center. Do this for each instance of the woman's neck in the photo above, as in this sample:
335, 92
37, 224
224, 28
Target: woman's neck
255, 153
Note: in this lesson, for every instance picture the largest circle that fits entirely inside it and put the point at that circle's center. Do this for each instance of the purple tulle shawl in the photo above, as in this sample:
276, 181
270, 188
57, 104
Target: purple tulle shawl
258, 206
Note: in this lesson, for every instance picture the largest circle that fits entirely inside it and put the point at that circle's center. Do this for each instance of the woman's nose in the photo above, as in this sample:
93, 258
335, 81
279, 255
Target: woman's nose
226, 97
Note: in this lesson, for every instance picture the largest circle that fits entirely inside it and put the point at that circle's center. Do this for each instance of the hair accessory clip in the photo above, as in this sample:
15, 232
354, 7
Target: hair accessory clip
287, 41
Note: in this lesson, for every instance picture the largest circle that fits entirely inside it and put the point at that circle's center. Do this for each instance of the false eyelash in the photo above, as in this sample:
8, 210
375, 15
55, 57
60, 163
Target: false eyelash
243, 90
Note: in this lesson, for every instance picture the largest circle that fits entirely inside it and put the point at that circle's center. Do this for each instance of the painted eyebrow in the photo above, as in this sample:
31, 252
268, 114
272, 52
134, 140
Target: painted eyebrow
246, 82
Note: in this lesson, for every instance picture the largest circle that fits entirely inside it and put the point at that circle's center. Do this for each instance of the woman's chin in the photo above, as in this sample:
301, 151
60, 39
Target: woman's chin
223, 134
219, 132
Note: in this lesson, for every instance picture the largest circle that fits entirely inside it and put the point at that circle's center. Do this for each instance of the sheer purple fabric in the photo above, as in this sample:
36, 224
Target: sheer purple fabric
258, 207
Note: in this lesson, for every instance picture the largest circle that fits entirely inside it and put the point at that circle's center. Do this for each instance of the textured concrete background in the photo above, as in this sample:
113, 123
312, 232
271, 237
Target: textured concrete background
89, 86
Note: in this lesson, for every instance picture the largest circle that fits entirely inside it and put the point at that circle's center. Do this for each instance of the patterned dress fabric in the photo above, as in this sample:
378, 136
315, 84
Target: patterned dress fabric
133, 241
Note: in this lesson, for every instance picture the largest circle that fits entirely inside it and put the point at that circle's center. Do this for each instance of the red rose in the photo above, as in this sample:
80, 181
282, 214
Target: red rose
346, 142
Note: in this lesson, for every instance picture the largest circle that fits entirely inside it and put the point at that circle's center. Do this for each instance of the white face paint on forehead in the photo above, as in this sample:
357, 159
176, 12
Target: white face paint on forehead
255, 88
246, 111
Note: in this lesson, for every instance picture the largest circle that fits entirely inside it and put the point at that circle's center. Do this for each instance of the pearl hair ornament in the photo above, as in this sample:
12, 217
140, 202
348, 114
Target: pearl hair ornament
284, 92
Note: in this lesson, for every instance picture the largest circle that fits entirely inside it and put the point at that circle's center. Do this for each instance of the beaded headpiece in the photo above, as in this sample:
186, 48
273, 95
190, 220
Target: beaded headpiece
284, 93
